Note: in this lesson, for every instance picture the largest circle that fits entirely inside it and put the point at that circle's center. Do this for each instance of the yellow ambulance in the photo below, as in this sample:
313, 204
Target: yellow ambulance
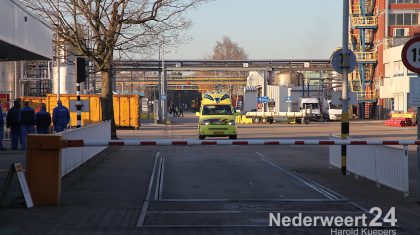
217, 116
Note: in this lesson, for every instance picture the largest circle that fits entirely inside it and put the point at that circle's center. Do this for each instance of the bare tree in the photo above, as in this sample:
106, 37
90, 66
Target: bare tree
225, 50
102, 29
228, 50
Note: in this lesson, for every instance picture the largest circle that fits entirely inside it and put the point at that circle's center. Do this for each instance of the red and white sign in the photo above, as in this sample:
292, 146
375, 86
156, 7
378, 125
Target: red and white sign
411, 55
4, 102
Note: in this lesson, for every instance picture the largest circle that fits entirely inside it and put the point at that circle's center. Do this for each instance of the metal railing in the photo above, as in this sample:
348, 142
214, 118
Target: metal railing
395, 41
367, 95
364, 21
366, 56
356, 9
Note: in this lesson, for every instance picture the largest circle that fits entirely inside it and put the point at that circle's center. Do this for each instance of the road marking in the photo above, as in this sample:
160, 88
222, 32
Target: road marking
143, 212
263, 211
301, 179
7, 170
161, 179
207, 154
158, 179
251, 200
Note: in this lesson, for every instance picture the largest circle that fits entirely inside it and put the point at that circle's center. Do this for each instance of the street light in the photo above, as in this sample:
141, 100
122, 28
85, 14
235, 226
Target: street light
58, 52
163, 85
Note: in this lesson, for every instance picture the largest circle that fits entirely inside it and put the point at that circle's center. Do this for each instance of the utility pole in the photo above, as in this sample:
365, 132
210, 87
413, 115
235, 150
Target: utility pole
159, 113
164, 106
58, 52
345, 126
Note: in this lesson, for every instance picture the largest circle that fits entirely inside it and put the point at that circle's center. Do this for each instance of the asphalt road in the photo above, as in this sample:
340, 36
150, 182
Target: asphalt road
186, 128
212, 189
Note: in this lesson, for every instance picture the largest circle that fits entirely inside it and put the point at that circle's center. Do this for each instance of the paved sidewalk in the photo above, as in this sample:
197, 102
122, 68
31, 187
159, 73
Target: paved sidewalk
103, 195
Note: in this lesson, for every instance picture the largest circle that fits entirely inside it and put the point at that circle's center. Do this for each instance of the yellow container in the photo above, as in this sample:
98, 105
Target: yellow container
242, 119
403, 115
127, 108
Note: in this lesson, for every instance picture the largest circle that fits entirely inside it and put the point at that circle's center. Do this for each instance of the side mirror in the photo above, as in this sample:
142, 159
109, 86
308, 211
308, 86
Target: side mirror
197, 114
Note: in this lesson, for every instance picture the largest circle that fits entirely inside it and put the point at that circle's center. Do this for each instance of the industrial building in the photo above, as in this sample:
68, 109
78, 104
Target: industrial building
378, 30
23, 37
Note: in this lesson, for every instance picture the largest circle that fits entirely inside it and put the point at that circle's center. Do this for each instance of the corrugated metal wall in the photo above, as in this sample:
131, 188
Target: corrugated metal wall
278, 94
250, 100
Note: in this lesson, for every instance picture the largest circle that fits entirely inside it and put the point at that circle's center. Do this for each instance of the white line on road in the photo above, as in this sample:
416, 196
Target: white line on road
162, 174
158, 178
143, 212
323, 192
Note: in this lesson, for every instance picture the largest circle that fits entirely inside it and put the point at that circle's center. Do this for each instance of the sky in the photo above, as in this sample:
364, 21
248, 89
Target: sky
266, 29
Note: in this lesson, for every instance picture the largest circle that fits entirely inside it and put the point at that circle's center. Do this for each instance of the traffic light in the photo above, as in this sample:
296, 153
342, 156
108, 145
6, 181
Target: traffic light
81, 69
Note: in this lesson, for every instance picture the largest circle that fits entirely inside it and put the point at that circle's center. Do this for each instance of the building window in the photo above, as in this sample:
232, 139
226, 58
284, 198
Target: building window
404, 1
391, 19
401, 32
404, 19
407, 19
400, 19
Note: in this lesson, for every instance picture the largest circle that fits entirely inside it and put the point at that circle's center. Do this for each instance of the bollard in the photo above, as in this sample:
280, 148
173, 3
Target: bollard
43, 168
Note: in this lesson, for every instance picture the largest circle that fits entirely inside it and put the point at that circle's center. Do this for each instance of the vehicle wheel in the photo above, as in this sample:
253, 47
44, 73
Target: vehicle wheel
264, 120
271, 121
201, 137
256, 120
298, 121
306, 121
233, 137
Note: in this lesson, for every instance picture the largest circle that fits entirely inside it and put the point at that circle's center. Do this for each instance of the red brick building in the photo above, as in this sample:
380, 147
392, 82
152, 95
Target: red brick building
375, 26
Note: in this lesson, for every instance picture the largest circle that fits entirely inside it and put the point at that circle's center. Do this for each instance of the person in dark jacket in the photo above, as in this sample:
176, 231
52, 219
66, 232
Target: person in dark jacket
27, 122
61, 117
1, 129
43, 120
12, 122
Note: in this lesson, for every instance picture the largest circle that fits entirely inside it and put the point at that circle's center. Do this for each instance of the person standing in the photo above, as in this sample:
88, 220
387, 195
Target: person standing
12, 122
176, 111
61, 117
27, 122
43, 121
1, 129
181, 111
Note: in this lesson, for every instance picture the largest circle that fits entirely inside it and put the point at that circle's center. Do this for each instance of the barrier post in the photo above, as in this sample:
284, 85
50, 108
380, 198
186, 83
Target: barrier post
345, 127
418, 158
43, 168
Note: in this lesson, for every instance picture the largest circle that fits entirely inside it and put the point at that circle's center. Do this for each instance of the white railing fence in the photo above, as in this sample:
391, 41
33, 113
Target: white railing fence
384, 165
74, 157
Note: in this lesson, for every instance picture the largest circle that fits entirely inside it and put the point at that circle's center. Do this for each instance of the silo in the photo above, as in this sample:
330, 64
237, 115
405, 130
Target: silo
288, 79
67, 77
7, 78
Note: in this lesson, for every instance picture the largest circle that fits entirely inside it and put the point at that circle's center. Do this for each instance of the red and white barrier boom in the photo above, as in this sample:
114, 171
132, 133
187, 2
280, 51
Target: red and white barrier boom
190, 142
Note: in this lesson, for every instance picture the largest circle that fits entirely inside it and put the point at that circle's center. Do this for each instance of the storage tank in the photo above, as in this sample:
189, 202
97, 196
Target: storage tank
287, 79
7, 75
67, 77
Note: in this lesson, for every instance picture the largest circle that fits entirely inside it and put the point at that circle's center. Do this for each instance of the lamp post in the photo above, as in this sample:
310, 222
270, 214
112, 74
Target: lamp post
163, 86
58, 52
